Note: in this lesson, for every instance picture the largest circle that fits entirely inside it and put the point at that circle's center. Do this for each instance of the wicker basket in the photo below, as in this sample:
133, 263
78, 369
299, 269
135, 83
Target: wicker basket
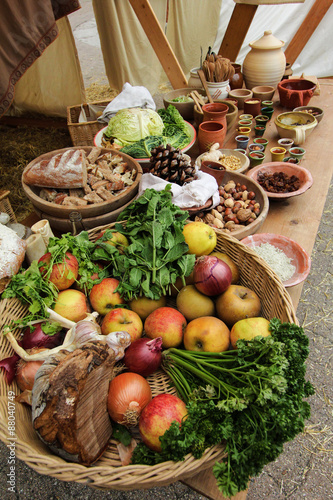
82, 134
108, 473
5, 205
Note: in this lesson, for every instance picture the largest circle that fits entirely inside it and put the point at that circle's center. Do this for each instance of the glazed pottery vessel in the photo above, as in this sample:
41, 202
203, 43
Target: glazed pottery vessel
296, 125
267, 104
289, 159
256, 147
236, 81
246, 117
256, 158
261, 120
213, 168
278, 153
242, 141
297, 152
265, 63
252, 106
245, 123
215, 111
209, 133
218, 90
286, 143
296, 92
240, 95
259, 130
244, 130
267, 112
261, 140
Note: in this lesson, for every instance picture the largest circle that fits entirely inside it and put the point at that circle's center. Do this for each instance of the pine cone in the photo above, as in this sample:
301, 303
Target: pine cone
171, 165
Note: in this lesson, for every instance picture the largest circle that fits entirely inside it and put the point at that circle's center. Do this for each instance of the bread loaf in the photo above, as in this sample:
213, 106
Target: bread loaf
12, 253
66, 170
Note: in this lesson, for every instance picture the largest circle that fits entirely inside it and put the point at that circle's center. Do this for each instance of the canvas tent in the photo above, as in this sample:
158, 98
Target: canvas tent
54, 80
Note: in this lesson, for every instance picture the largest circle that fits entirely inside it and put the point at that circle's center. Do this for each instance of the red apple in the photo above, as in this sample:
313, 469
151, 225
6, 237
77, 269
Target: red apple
62, 274
72, 304
168, 323
122, 320
143, 306
103, 296
248, 329
236, 303
157, 417
208, 334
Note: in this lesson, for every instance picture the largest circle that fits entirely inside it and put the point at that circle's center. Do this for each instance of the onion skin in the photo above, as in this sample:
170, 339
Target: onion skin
212, 276
129, 394
26, 371
143, 356
38, 338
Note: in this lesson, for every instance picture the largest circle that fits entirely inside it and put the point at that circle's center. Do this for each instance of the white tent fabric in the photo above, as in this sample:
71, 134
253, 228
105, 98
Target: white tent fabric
284, 20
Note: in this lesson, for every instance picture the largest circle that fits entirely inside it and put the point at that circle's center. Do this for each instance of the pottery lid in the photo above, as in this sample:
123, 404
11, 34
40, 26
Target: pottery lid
267, 42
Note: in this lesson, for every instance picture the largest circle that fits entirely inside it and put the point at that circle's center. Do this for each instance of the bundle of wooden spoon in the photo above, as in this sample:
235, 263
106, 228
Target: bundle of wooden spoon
198, 99
217, 68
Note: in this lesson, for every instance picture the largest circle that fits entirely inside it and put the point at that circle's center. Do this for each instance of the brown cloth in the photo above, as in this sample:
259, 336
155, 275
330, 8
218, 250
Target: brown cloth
27, 28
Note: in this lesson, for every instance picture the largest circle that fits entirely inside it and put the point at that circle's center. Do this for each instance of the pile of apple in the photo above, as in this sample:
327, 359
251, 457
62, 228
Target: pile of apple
213, 312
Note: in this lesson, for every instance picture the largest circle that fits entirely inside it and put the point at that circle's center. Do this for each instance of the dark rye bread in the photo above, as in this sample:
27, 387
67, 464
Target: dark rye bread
66, 170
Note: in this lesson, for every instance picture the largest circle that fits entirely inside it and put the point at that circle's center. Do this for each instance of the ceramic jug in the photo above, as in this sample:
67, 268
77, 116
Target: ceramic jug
265, 63
236, 81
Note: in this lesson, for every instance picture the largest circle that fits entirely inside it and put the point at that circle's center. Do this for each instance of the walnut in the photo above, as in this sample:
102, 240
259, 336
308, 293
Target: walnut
243, 214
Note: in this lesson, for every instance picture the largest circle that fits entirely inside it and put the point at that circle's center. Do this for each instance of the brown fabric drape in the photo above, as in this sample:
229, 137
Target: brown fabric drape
27, 28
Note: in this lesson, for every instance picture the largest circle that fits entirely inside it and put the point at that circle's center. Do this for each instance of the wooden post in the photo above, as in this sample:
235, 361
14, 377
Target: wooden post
159, 42
237, 29
306, 30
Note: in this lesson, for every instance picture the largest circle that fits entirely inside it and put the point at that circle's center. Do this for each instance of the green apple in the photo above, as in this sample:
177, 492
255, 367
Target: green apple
143, 306
248, 329
193, 303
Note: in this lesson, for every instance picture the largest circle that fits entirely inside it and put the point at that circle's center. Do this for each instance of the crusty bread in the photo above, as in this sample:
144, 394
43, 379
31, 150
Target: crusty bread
66, 170
12, 253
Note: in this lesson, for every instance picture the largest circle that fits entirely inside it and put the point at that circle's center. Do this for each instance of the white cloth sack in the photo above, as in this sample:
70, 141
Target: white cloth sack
193, 194
129, 97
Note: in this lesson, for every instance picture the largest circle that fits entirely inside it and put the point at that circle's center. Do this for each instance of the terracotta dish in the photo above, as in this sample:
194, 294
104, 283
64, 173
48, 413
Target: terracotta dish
297, 92
299, 257
288, 168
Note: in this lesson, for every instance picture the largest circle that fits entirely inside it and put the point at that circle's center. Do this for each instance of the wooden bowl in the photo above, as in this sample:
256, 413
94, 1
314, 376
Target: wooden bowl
186, 109
290, 169
299, 257
244, 165
88, 211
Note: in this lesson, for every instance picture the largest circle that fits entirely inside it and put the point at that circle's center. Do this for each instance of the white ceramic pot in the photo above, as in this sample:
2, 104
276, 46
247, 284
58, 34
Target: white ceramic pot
265, 63
219, 90
194, 80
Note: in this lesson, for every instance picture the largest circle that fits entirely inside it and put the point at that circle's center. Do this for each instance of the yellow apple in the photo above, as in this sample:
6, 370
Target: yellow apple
103, 296
122, 320
248, 329
72, 304
236, 303
193, 303
144, 306
231, 264
200, 237
117, 239
168, 323
179, 284
208, 334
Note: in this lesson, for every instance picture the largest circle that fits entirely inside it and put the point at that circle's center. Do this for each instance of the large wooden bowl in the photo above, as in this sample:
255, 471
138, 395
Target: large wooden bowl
88, 211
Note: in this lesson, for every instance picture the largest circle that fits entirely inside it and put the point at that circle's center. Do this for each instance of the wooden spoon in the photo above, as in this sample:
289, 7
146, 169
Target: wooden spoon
204, 84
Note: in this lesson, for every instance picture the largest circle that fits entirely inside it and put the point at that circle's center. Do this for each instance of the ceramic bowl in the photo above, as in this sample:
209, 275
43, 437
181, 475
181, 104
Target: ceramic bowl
267, 111
263, 92
303, 174
297, 255
241, 95
186, 109
256, 147
256, 158
261, 140
286, 143
318, 113
244, 161
231, 115
297, 152
295, 92
296, 125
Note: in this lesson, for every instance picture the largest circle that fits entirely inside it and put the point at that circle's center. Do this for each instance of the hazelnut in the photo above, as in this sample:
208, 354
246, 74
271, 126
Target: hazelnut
251, 195
229, 202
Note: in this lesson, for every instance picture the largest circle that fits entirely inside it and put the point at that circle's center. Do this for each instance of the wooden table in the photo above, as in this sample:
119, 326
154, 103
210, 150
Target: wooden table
297, 218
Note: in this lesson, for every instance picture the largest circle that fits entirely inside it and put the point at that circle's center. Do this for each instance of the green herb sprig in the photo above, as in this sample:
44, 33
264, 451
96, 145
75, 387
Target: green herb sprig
251, 398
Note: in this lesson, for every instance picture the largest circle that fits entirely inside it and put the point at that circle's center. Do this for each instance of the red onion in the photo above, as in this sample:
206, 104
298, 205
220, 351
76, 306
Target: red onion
38, 338
143, 356
211, 275
9, 367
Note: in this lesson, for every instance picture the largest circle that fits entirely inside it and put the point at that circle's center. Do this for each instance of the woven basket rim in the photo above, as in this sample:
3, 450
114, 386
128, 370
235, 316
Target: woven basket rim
129, 477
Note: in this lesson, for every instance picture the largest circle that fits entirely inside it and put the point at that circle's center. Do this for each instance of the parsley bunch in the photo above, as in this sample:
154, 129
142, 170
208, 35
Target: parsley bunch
157, 253
251, 398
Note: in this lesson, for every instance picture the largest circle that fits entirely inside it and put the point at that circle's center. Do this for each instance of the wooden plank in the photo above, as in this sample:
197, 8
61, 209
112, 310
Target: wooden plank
306, 30
237, 29
159, 42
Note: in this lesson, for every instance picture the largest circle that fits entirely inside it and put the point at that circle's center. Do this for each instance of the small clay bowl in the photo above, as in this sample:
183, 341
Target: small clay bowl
256, 158
267, 104
256, 147
277, 153
266, 111
244, 130
259, 130
297, 152
286, 143
261, 120
289, 159
240, 95
213, 168
242, 141
263, 92
244, 123
261, 140
246, 116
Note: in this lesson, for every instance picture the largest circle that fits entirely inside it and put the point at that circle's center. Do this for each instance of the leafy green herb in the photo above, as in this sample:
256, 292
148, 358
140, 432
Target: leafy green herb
157, 253
121, 433
251, 398
142, 148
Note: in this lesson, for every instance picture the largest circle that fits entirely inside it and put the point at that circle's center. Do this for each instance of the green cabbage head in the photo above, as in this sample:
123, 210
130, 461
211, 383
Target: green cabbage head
133, 124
